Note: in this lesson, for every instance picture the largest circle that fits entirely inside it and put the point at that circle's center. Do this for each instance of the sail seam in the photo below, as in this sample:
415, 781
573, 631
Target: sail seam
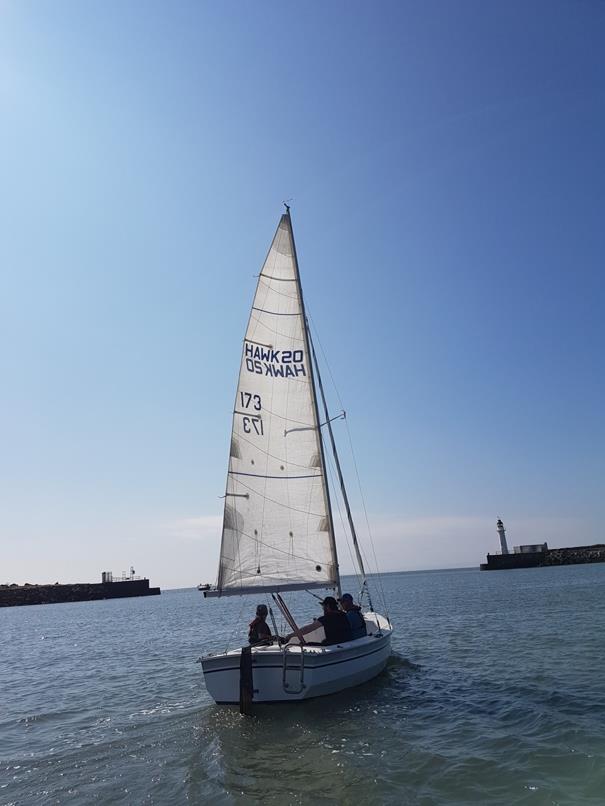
280, 293
283, 478
289, 336
281, 504
275, 313
237, 568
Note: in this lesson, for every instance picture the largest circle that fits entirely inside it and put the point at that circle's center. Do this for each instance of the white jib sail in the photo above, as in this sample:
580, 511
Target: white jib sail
277, 528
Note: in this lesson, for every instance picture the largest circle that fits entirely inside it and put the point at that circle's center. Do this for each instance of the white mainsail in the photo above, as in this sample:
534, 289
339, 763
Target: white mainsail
277, 525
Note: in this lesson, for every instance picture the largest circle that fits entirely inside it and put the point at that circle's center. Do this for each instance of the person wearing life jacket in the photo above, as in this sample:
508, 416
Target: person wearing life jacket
353, 613
260, 632
334, 622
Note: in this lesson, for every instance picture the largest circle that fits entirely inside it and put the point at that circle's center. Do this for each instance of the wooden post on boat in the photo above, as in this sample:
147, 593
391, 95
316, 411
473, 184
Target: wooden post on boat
246, 683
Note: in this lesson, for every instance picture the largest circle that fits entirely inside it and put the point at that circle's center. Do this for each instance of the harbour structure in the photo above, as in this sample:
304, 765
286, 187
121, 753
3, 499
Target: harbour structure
538, 555
110, 587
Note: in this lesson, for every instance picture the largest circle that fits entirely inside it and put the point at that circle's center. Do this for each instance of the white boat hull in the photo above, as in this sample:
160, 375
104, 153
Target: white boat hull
295, 673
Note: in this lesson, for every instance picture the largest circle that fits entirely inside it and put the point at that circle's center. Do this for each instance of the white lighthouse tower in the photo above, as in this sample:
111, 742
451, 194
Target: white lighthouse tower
502, 535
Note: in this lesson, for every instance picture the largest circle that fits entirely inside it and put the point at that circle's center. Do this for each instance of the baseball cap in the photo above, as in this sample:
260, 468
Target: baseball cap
329, 600
346, 597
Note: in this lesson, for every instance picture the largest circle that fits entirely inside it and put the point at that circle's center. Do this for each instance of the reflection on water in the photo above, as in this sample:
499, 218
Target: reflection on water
320, 750
326, 750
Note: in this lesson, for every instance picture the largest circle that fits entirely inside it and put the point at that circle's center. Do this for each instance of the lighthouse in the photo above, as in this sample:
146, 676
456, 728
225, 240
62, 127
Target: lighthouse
502, 535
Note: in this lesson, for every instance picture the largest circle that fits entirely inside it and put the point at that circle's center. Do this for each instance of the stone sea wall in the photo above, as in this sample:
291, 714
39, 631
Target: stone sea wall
12, 595
538, 559
577, 554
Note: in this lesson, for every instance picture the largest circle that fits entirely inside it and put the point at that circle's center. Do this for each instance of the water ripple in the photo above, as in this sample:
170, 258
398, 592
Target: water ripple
103, 703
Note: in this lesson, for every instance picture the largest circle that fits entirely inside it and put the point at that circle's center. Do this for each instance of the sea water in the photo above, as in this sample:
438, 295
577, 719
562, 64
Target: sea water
494, 694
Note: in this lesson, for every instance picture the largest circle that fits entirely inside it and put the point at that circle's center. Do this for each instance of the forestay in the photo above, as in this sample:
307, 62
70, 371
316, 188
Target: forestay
277, 526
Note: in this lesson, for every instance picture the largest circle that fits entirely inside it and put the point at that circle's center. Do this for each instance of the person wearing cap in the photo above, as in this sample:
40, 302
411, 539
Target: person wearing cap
334, 622
353, 613
259, 629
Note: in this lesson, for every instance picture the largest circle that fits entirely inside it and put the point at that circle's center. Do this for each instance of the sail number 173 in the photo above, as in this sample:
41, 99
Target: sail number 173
250, 401
252, 424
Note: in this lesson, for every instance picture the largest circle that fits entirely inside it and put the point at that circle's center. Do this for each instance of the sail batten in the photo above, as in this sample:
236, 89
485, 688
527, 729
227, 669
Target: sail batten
282, 478
277, 524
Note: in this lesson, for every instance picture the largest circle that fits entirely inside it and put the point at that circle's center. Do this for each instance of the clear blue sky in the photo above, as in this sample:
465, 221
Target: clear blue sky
446, 163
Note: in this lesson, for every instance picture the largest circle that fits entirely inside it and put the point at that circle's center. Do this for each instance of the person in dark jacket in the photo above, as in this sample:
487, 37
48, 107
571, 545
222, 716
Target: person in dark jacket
334, 622
259, 629
353, 613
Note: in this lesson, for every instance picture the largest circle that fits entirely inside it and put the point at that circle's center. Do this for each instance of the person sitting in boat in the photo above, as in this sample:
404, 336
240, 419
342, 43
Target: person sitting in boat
353, 613
259, 632
334, 622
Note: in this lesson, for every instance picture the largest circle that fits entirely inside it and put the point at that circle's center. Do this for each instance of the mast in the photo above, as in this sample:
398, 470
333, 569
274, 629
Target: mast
343, 488
315, 407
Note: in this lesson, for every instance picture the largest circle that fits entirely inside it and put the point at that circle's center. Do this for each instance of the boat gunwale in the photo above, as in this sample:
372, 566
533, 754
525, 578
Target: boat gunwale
330, 655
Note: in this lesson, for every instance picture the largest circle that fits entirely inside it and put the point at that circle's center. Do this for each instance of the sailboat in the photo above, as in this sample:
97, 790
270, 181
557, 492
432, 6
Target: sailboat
278, 530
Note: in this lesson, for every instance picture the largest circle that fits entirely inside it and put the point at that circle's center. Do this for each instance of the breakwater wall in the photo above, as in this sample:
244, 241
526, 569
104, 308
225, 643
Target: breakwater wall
13, 595
573, 555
